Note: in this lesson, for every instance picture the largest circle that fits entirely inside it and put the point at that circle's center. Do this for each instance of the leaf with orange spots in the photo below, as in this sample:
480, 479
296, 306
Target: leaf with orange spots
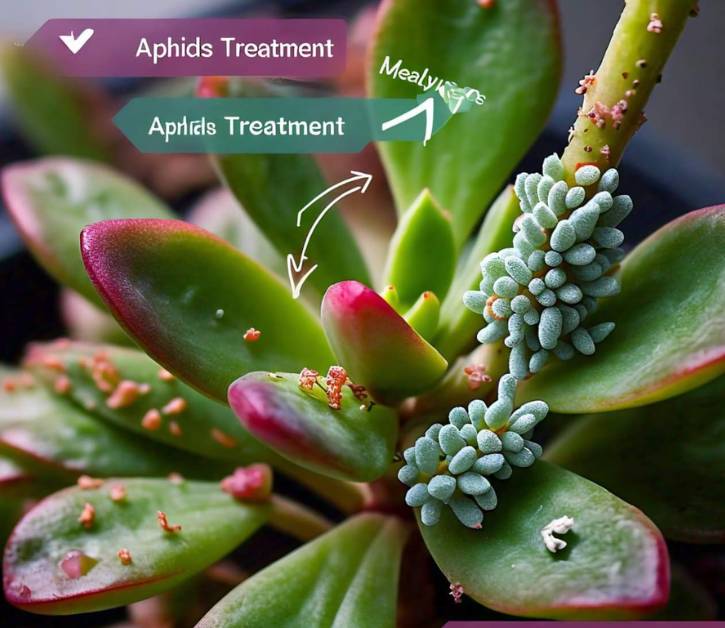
132, 391
41, 576
670, 329
57, 440
379, 349
355, 442
187, 298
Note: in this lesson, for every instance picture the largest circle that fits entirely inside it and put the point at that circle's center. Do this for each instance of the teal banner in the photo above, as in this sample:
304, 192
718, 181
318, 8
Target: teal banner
278, 125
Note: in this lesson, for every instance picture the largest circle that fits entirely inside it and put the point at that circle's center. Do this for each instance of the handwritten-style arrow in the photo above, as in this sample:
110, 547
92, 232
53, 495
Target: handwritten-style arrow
297, 276
427, 107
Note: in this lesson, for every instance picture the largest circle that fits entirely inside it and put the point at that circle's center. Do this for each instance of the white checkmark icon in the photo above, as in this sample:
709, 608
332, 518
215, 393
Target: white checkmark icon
76, 43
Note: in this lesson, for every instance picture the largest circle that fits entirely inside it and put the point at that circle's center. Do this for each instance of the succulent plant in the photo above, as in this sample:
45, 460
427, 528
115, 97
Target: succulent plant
216, 403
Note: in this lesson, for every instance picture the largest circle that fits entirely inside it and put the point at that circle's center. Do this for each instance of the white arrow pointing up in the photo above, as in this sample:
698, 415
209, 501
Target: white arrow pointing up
294, 268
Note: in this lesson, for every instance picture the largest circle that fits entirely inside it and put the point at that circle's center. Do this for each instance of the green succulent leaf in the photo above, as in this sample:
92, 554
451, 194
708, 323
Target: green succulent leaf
669, 325
667, 459
55, 564
507, 53
273, 189
347, 577
458, 325
376, 345
59, 440
51, 110
423, 315
187, 298
127, 388
355, 442
52, 199
615, 563
220, 213
422, 252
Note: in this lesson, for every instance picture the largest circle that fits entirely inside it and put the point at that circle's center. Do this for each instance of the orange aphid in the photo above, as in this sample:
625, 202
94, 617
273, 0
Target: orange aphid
124, 556
223, 438
87, 516
151, 420
86, 482
252, 335
164, 523
176, 406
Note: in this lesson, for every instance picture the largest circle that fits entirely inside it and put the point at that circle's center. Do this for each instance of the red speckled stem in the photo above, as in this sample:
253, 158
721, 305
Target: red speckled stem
641, 44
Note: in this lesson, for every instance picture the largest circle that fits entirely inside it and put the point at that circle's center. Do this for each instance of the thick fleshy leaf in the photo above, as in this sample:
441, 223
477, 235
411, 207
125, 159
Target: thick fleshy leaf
458, 325
220, 213
188, 298
127, 388
615, 563
52, 110
57, 564
375, 344
422, 253
59, 440
670, 333
52, 199
667, 459
354, 442
347, 577
507, 53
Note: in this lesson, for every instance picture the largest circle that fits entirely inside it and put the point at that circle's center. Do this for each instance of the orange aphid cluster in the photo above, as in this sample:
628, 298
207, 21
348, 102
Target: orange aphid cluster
476, 375
165, 525
252, 483
252, 335
308, 378
586, 82
336, 378
124, 556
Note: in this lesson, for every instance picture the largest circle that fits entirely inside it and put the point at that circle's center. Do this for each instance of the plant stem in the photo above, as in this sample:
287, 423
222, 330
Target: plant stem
348, 497
296, 520
455, 387
630, 69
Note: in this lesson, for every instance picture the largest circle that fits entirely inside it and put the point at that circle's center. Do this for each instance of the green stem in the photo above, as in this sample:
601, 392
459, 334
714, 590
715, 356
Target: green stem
296, 520
455, 389
630, 69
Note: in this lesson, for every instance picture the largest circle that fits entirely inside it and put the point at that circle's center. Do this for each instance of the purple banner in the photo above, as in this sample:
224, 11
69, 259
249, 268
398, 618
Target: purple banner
302, 48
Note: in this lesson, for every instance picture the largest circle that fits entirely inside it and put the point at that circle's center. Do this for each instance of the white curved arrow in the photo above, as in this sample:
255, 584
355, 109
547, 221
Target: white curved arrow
294, 267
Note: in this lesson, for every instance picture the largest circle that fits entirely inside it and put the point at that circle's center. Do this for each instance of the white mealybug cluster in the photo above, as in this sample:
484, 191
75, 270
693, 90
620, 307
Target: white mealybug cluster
537, 295
455, 464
